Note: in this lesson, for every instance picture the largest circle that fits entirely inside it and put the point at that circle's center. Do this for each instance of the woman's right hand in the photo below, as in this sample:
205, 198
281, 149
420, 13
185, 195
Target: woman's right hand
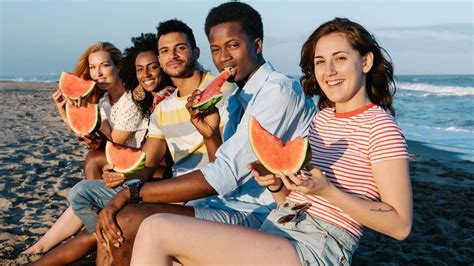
60, 103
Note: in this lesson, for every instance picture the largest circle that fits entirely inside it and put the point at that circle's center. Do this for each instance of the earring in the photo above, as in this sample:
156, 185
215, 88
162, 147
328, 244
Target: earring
138, 93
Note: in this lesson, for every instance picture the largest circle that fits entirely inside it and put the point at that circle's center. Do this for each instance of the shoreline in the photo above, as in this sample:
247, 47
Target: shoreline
40, 161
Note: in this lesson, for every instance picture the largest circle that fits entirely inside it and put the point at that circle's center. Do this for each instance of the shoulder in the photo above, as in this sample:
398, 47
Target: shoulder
279, 86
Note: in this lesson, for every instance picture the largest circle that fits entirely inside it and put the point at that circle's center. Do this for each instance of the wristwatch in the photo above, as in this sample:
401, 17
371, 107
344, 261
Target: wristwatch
134, 186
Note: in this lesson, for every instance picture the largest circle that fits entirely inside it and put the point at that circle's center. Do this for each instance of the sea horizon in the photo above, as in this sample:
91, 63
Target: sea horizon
434, 109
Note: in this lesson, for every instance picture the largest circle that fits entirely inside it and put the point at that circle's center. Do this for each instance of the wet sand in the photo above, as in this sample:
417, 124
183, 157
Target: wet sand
40, 160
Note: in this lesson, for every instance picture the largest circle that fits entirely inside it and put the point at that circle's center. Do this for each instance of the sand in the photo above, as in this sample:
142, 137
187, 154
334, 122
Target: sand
40, 160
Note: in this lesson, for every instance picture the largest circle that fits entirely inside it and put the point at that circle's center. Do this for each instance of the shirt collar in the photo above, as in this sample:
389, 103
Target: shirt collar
253, 85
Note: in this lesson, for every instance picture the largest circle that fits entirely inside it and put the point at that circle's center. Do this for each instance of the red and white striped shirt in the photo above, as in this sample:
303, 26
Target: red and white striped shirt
344, 146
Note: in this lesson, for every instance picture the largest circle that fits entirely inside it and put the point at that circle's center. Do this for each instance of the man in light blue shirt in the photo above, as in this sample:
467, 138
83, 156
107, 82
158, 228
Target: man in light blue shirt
235, 34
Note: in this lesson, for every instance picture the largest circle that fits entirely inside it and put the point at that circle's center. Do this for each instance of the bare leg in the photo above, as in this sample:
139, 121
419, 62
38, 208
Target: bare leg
198, 242
66, 226
129, 220
95, 161
69, 251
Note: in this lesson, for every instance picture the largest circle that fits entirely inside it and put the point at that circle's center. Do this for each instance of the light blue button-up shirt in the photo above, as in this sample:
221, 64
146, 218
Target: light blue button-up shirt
280, 105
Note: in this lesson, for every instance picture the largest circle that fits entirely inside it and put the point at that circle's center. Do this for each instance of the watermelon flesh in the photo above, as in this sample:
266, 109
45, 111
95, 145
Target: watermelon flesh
83, 120
74, 87
212, 94
274, 155
126, 160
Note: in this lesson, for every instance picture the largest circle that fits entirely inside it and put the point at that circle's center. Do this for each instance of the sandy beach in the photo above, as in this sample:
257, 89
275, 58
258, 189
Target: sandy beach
40, 160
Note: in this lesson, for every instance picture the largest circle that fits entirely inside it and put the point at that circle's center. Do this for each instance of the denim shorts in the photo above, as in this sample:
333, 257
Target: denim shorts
210, 213
317, 242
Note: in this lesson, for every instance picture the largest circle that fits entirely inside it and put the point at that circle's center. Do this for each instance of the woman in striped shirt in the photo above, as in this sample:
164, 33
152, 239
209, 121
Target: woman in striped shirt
358, 176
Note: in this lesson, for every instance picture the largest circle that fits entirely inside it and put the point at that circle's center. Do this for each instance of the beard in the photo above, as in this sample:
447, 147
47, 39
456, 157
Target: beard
185, 71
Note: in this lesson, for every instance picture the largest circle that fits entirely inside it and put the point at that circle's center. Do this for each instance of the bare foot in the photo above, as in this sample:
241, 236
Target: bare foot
35, 249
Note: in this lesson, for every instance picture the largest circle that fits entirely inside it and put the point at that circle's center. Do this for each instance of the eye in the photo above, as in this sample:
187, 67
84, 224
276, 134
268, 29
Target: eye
163, 51
234, 45
341, 59
214, 50
318, 62
91, 67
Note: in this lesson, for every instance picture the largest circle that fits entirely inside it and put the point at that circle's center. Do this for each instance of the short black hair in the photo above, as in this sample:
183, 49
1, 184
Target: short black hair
175, 25
249, 19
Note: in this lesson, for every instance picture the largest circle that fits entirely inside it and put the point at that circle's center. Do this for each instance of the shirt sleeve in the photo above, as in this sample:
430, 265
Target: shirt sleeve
233, 156
153, 128
386, 140
103, 108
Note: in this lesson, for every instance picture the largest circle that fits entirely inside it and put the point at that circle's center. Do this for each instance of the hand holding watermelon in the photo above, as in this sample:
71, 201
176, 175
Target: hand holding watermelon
60, 103
111, 178
309, 181
264, 177
206, 121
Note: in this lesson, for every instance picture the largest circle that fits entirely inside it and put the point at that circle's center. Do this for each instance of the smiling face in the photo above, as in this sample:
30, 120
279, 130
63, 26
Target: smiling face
340, 71
231, 47
148, 70
103, 70
176, 56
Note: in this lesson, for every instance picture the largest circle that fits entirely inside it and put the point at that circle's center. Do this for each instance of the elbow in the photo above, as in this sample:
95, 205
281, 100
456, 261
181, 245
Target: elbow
402, 232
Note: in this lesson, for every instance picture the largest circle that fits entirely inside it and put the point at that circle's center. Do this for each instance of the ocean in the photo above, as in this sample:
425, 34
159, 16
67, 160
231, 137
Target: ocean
435, 109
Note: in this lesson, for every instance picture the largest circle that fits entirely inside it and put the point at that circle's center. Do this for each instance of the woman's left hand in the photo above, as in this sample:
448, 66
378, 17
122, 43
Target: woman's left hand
309, 181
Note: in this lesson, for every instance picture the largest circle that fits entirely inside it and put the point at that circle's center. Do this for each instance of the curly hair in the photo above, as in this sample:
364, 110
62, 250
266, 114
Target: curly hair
175, 25
380, 84
249, 19
143, 43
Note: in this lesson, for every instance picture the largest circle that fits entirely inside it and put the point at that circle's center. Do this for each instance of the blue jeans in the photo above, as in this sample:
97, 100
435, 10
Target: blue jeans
88, 197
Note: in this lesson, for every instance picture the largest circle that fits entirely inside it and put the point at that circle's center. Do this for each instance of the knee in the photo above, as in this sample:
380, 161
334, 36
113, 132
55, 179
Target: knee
164, 222
78, 194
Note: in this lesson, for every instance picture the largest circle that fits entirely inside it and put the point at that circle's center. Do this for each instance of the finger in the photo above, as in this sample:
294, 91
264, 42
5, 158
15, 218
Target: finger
114, 184
112, 231
297, 181
288, 184
99, 236
107, 168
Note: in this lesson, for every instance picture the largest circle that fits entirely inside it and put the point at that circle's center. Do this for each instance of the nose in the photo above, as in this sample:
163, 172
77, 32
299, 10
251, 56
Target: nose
329, 69
225, 56
99, 71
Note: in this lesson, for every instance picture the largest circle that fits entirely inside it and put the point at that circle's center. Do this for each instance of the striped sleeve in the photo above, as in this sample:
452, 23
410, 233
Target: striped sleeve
386, 140
153, 128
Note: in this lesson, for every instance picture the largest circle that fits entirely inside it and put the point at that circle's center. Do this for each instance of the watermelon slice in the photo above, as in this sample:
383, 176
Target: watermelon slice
275, 156
74, 87
83, 120
126, 160
212, 94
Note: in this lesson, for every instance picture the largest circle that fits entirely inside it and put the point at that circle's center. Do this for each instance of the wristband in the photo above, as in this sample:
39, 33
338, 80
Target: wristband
276, 190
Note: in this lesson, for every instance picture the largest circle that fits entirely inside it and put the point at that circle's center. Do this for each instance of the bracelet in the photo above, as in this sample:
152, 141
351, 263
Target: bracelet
276, 190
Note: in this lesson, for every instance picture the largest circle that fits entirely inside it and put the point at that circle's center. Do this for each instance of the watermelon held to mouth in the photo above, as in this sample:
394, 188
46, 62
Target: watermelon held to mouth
83, 120
74, 87
275, 156
126, 160
212, 94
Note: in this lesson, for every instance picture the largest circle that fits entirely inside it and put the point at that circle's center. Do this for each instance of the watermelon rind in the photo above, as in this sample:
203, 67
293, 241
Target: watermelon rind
209, 103
92, 129
136, 167
304, 156
84, 95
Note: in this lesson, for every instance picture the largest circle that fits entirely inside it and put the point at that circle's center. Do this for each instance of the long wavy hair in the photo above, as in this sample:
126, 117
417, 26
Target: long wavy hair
82, 66
380, 84
143, 43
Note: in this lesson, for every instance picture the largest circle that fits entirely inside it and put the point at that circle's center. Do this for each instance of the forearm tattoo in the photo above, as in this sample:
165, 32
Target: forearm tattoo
382, 210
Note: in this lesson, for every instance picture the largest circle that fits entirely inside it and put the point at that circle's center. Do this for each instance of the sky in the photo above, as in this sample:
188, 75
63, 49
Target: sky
46, 37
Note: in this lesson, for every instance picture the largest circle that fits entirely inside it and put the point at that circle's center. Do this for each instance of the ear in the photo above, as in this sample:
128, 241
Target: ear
196, 53
258, 45
368, 62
